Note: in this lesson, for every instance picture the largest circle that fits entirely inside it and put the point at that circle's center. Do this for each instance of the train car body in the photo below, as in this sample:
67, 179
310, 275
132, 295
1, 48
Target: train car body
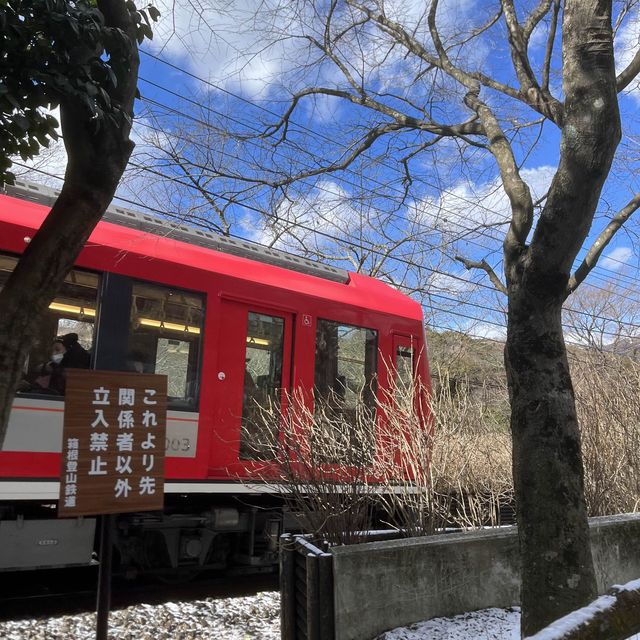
222, 318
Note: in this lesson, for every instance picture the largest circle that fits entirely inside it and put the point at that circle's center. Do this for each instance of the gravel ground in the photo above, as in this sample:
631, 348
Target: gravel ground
227, 619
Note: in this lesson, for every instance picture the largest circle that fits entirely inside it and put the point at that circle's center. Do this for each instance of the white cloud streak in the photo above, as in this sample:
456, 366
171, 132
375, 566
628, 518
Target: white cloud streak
468, 205
616, 259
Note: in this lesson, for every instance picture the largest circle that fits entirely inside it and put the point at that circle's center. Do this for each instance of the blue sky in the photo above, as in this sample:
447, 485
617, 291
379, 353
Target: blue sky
251, 63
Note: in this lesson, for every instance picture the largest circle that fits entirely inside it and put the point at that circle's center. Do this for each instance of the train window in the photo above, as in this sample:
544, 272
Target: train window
164, 338
262, 386
345, 364
71, 317
404, 377
345, 385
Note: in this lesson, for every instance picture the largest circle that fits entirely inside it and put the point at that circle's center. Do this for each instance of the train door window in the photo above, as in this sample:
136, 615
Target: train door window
262, 386
164, 338
404, 377
345, 385
71, 318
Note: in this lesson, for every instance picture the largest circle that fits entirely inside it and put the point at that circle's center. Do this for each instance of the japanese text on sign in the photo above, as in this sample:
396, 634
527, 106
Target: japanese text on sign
113, 443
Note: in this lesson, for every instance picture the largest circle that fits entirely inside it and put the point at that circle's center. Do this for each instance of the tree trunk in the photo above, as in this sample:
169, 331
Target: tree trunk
557, 567
98, 156
41, 272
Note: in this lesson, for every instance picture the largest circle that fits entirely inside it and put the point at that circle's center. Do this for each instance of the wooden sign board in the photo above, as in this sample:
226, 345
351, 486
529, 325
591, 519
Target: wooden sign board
113, 443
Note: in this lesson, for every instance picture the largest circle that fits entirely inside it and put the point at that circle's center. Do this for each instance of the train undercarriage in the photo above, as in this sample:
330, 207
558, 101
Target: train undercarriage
189, 537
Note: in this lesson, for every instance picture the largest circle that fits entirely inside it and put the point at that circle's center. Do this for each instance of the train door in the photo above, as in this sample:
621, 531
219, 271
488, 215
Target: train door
253, 377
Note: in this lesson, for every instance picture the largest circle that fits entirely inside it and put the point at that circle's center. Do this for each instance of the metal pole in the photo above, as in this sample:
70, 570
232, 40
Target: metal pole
103, 603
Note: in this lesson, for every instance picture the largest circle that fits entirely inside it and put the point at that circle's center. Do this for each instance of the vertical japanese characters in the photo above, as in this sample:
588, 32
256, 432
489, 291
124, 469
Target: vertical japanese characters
113, 443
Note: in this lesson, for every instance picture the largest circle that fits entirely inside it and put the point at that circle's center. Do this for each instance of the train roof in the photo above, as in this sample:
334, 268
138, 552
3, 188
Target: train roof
27, 204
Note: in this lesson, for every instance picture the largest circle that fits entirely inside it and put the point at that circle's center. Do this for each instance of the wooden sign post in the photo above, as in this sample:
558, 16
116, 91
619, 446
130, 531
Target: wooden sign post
112, 455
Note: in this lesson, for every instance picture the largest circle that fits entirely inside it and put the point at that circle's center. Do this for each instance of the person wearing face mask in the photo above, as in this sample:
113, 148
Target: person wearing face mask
66, 352
57, 378
50, 378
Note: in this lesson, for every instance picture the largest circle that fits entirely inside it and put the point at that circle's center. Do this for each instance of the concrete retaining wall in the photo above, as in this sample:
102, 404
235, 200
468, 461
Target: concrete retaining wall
382, 585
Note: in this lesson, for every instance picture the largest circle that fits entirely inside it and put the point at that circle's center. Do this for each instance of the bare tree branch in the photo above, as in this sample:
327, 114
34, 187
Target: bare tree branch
628, 75
534, 18
484, 266
601, 242
469, 127
414, 46
546, 67
539, 99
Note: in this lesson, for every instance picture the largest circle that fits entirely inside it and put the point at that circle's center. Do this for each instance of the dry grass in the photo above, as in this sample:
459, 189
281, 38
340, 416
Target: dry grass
455, 473
608, 399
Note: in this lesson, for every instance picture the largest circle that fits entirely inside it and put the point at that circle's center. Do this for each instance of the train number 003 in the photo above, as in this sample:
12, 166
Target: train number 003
177, 444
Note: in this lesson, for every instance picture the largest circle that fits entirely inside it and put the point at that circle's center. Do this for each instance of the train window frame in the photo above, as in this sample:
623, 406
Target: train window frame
405, 376
174, 403
259, 434
105, 303
375, 350
59, 397
349, 445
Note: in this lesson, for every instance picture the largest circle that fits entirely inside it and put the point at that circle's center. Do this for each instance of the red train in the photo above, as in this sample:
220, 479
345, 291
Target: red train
225, 320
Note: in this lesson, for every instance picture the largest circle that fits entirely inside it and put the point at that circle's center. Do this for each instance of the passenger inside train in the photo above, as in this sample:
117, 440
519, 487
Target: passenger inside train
142, 327
50, 377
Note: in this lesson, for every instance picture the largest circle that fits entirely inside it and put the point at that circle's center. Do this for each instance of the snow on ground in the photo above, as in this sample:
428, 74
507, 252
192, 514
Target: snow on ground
501, 624
251, 618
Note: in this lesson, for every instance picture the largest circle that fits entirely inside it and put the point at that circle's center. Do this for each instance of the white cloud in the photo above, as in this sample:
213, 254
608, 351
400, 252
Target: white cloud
455, 282
316, 219
245, 45
617, 258
49, 166
539, 35
324, 108
488, 331
255, 47
467, 205
473, 329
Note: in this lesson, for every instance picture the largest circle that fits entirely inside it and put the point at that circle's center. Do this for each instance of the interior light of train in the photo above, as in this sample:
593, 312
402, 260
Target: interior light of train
148, 322
70, 308
171, 326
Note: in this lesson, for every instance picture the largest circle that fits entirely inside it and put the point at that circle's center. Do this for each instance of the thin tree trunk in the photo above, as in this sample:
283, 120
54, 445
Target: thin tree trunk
40, 273
557, 567
98, 156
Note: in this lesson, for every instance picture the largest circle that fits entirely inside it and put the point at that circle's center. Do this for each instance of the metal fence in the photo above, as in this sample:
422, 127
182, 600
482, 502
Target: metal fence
306, 589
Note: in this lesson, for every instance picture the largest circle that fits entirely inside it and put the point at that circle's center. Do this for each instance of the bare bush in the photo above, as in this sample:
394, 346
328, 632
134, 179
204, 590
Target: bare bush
426, 462
323, 456
439, 460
